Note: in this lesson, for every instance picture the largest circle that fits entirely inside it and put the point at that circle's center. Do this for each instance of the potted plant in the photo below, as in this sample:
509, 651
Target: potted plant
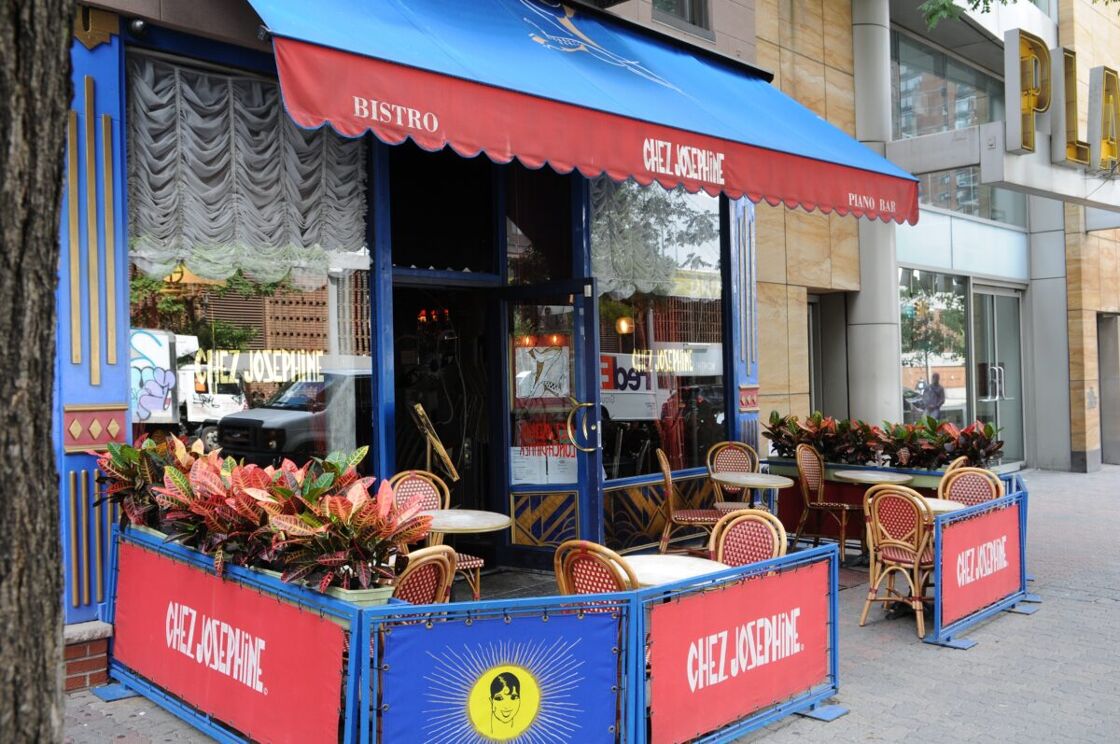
345, 541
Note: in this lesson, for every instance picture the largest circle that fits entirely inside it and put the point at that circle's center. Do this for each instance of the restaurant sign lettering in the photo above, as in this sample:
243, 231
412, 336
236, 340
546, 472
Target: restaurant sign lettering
719, 656
980, 562
1043, 82
228, 650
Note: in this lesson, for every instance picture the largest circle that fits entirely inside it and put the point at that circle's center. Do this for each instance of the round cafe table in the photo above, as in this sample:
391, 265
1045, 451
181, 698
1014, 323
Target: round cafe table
652, 570
464, 521
736, 479
872, 477
943, 506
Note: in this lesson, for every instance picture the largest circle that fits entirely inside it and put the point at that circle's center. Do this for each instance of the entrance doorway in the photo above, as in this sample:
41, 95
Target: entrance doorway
998, 365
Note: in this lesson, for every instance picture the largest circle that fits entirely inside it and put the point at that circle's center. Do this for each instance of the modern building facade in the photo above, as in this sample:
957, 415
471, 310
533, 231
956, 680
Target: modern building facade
1005, 289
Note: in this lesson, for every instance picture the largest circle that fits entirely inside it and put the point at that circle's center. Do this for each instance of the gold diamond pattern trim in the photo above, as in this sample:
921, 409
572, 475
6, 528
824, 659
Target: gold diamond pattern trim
113, 428
75, 429
95, 429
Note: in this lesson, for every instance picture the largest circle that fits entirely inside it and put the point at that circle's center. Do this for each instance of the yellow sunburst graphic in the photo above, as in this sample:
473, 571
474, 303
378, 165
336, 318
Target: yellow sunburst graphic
504, 691
503, 702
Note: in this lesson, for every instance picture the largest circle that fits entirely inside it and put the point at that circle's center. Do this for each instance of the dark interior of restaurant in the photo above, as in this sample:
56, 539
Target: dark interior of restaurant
441, 363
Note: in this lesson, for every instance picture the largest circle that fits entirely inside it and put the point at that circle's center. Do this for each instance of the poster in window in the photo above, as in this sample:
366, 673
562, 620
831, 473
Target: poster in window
542, 372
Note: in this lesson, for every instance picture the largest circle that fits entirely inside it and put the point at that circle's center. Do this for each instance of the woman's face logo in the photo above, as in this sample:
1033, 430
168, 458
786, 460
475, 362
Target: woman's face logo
503, 703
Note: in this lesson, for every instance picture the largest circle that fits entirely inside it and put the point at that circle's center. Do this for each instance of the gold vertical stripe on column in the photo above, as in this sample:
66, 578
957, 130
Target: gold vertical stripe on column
92, 250
98, 548
75, 238
110, 240
73, 538
84, 516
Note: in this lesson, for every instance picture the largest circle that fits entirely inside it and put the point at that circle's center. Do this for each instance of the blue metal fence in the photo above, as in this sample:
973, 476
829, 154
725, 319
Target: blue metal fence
949, 634
373, 631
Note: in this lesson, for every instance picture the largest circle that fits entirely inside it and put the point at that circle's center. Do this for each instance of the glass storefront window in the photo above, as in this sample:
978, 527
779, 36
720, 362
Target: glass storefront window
249, 281
934, 345
959, 190
932, 92
538, 225
440, 211
656, 257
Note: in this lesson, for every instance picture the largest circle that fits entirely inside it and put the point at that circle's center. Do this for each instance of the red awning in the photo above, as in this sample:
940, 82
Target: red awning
625, 115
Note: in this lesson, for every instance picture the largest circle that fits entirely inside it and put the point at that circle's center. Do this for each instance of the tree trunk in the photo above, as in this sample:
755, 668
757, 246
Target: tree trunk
34, 97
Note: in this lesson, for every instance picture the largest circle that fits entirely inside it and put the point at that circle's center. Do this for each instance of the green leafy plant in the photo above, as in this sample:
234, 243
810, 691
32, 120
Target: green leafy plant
977, 442
927, 443
127, 474
216, 507
346, 538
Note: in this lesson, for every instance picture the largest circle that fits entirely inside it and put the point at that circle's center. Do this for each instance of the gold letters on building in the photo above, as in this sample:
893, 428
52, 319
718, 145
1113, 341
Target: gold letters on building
1036, 77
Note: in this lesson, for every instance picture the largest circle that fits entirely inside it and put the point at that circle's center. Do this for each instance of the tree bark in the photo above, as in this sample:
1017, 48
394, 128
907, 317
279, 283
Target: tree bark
34, 98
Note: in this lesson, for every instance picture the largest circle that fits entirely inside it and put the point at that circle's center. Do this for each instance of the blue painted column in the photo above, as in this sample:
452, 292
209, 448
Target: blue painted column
92, 380
380, 241
741, 328
586, 340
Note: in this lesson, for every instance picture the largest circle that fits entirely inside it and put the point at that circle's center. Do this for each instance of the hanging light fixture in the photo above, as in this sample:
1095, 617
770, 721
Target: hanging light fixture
624, 325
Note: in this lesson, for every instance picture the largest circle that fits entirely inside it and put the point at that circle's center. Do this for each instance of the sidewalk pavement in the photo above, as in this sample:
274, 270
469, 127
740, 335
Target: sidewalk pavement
1047, 677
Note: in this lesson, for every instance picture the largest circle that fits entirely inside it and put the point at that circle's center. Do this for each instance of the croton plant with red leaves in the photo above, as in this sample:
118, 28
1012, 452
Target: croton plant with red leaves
318, 523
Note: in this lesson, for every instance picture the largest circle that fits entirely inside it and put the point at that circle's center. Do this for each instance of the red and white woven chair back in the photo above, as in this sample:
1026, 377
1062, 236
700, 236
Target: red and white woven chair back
971, 486
734, 457
748, 539
411, 484
427, 578
420, 586
898, 522
811, 470
591, 576
588, 568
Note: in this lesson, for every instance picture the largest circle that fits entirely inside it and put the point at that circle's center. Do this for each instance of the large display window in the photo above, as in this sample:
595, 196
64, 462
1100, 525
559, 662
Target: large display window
656, 259
249, 277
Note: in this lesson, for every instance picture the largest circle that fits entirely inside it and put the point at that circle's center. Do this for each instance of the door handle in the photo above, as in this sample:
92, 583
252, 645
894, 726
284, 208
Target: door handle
576, 405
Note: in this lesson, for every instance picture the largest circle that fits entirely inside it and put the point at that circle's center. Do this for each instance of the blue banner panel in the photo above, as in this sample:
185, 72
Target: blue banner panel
532, 680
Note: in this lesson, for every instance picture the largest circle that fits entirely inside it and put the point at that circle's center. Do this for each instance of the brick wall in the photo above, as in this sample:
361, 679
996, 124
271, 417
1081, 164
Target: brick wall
87, 664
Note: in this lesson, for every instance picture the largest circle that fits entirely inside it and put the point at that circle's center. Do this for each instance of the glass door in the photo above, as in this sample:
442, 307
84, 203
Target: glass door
997, 365
553, 440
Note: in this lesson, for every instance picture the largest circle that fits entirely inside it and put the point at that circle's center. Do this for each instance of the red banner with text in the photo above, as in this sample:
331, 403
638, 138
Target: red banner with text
262, 666
718, 656
980, 562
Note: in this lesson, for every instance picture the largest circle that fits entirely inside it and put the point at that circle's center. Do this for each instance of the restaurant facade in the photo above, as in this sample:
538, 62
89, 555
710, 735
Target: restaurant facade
526, 263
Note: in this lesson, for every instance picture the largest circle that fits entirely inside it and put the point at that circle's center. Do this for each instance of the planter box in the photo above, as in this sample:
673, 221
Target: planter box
372, 597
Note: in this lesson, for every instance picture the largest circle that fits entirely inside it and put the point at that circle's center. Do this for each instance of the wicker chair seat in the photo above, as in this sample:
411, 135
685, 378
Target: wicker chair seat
905, 557
465, 560
696, 516
834, 505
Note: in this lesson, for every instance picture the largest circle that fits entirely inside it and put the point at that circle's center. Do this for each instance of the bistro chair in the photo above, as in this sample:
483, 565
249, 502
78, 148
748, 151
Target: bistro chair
427, 577
434, 494
810, 471
584, 567
675, 517
970, 486
900, 541
747, 536
738, 457
959, 462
